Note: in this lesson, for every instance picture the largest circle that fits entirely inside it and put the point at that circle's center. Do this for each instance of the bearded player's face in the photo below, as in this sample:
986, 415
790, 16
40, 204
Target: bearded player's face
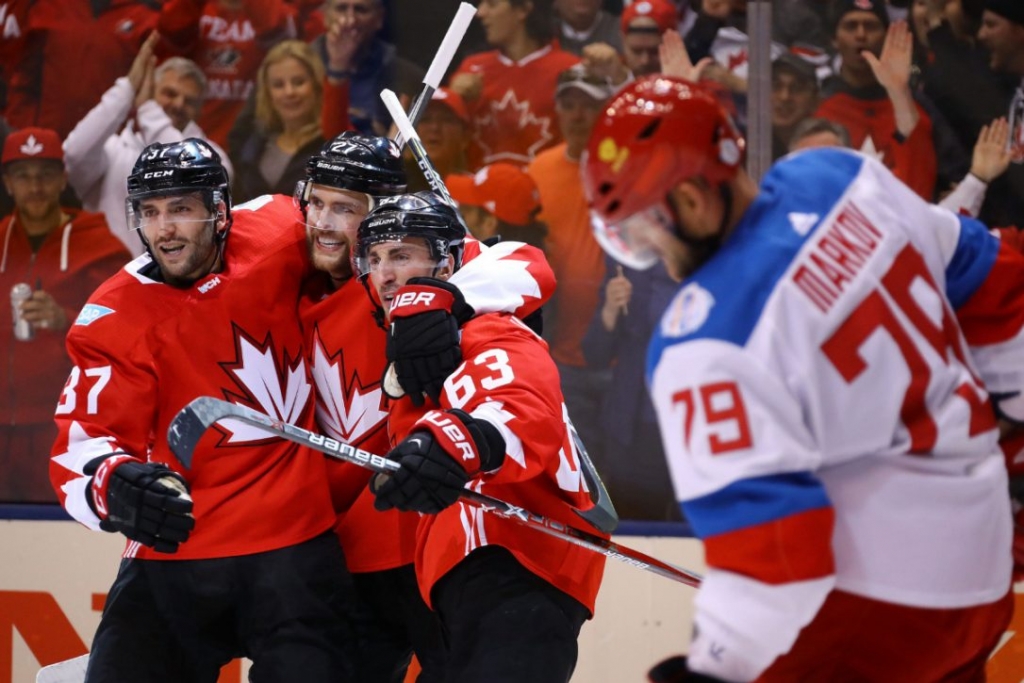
332, 218
180, 232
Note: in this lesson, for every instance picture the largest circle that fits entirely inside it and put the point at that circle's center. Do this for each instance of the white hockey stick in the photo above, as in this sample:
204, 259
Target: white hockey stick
189, 425
442, 60
68, 671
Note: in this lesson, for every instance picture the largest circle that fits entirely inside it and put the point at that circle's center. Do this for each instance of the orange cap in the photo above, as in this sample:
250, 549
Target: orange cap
503, 189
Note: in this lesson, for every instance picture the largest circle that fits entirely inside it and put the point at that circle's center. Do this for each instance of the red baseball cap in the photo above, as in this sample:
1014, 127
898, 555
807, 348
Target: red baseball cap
32, 143
503, 189
661, 12
453, 101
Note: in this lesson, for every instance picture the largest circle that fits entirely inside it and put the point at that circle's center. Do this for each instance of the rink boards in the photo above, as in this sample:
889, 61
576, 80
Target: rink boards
54, 576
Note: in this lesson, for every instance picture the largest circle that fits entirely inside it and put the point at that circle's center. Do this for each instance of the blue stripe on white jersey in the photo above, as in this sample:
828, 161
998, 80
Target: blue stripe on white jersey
749, 502
975, 253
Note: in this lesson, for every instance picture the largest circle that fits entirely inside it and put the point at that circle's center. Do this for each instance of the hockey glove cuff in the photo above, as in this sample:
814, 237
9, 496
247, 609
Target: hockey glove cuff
443, 451
147, 502
423, 337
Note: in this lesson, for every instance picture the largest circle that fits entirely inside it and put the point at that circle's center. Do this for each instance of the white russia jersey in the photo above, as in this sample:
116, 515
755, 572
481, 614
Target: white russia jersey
815, 363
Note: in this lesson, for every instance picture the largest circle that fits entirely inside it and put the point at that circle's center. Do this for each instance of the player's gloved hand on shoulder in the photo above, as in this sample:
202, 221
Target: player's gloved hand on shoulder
146, 501
675, 670
423, 338
442, 452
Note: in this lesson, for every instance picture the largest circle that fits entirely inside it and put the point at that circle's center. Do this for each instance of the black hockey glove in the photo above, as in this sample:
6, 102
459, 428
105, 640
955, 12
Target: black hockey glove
443, 451
423, 338
675, 670
145, 501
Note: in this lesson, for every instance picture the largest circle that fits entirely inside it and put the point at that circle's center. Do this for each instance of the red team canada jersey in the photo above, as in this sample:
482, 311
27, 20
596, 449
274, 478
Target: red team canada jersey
509, 379
142, 350
347, 360
514, 117
346, 347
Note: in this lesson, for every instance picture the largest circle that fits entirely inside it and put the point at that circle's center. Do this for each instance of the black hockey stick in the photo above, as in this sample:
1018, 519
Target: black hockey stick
188, 426
442, 60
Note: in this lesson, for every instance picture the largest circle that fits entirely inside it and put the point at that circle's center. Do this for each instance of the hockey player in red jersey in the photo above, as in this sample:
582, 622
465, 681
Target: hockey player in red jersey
512, 601
236, 556
824, 381
347, 357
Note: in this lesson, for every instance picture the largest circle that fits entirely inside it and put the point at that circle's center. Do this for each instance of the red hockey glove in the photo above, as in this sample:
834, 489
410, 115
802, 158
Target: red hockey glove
443, 451
423, 337
145, 501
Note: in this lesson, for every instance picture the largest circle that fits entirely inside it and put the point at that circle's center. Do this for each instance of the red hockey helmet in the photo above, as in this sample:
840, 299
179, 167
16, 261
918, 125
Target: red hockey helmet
656, 133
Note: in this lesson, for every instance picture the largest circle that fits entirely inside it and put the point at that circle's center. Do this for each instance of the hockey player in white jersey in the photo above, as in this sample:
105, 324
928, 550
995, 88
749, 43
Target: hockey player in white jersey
824, 381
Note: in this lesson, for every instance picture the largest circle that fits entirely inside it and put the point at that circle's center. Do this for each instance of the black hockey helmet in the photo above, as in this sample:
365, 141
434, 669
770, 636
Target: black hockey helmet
359, 163
191, 165
424, 214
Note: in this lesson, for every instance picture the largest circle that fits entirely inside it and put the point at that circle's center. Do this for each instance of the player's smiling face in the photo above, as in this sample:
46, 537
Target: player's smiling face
180, 231
332, 219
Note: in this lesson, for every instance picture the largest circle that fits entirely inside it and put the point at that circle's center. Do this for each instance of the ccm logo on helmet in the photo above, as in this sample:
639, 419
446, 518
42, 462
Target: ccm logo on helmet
413, 299
157, 174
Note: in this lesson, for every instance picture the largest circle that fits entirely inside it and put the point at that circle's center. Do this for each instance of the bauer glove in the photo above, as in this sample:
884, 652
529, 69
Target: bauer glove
146, 501
443, 451
423, 338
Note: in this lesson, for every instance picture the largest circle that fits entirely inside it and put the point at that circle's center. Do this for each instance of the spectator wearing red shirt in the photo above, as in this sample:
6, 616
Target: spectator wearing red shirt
511, 90
63, 254
56, 36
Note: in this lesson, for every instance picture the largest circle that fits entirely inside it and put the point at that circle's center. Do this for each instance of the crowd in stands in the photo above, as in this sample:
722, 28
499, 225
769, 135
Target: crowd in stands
931, 87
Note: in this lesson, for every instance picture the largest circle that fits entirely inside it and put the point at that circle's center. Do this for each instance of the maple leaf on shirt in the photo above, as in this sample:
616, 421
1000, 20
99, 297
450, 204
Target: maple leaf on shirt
510, 131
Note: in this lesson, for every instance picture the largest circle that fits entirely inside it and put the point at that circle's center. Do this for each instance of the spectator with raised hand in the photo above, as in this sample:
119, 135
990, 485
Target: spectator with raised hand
510, 90
871, 94
102, 148
990, 160
583, 23
353, 50
289, 98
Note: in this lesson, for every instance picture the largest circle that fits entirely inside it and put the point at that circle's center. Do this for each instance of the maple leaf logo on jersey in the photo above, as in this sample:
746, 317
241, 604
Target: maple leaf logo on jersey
346, 409
507, 123
281, 394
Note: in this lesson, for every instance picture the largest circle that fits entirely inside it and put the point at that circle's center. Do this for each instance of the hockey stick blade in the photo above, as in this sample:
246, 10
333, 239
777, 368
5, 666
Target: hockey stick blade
602, 516
68, 671
207, 410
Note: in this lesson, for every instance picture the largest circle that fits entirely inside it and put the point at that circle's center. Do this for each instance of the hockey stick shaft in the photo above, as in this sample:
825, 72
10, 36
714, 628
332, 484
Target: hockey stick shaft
442, 60
194, 419
412, 139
